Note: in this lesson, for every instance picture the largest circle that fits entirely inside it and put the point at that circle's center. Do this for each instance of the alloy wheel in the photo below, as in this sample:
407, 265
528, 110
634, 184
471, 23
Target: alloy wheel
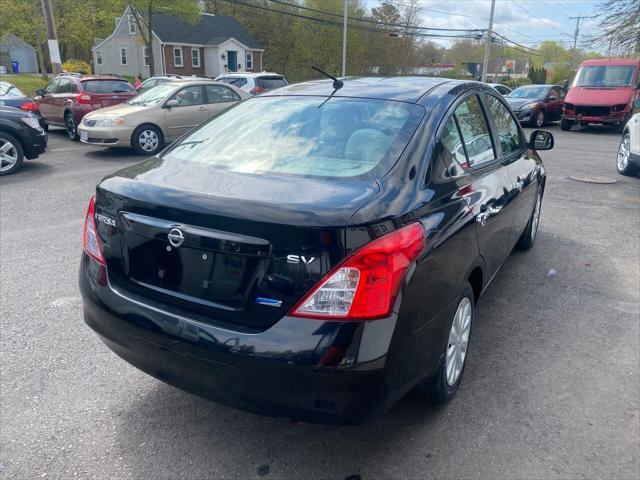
8, 155
624, 152
540, 118
458, 341
71, 126
148, 140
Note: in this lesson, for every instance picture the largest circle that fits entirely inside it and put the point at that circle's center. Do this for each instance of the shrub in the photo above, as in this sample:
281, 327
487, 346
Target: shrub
76, 66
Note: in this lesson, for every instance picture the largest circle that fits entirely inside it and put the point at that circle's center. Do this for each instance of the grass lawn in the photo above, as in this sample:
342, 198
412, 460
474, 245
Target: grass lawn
25, 82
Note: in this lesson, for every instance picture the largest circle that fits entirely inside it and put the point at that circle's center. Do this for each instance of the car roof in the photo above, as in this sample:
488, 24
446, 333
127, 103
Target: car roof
82, 78
405, 89
252, 74
610, 61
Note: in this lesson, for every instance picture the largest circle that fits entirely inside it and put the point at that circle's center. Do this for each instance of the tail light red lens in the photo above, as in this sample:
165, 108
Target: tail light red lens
29, 106
257, 90
365, 285
84, 98
90, 240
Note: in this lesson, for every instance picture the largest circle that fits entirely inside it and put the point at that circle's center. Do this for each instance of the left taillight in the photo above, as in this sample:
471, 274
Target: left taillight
365, 285
257, 90
84, 99
29, 106
90, 240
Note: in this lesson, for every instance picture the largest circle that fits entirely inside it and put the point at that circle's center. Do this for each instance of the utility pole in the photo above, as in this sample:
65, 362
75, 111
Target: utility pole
575, 36
344, 39
54, 51
487, 45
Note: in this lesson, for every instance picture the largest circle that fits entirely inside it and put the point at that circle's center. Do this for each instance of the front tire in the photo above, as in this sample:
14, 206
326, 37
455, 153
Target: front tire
538, 119
147, 140
71, 127
11, 154
565, 125
528, 237
624, 165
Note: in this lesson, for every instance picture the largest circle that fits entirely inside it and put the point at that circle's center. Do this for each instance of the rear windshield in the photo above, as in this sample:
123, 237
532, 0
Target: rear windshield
107, 86
304, 136
236, 81
605, 76
8, 90
271, 82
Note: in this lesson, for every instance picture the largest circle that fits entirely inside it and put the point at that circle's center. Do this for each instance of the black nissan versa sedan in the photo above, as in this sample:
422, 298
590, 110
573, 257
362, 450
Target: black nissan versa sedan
315, 252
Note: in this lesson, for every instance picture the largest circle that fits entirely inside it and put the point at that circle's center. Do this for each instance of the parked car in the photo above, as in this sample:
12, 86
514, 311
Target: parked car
315, 252
159, 115
157, 80
254, 83
11, 96
534, 105
21, 136
502, 89
628, 159
69, 97
602, 93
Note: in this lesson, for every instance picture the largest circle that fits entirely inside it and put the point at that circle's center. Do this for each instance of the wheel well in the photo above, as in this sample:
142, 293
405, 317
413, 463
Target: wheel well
475, 280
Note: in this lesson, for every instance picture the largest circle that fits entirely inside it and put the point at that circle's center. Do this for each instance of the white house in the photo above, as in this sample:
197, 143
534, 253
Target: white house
211, 46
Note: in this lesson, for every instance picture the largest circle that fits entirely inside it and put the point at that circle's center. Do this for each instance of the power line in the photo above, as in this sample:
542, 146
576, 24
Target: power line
541, 19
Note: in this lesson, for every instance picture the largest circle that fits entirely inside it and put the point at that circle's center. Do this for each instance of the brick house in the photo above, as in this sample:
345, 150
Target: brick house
210, 46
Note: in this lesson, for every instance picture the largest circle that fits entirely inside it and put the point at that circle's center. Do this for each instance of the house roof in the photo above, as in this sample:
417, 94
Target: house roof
9, 39
208, 30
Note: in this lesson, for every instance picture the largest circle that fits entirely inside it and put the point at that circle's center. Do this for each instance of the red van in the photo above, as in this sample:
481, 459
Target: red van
602, 93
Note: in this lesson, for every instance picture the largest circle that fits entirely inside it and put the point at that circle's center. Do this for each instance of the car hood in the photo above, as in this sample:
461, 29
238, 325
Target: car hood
517, 103
119, 110
598, 96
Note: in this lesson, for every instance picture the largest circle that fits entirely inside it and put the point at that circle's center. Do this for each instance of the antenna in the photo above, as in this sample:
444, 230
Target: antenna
337, 84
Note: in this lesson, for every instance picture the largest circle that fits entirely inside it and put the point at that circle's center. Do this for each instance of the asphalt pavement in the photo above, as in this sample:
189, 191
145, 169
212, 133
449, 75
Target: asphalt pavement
551, 388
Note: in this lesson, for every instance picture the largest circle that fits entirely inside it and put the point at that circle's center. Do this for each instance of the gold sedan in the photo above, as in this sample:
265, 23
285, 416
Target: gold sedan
158, 116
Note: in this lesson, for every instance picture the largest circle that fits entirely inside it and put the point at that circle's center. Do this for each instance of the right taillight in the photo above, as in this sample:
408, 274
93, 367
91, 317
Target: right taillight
90, 240
257, 90
365, 285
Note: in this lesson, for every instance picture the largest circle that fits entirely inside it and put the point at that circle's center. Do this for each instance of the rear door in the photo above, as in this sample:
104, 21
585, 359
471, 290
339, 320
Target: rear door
105, 93
191, 111
483, 179
220, 98
522, 166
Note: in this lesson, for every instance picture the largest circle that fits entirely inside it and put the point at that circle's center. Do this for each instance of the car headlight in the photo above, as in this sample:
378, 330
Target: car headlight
110, 121
32, 122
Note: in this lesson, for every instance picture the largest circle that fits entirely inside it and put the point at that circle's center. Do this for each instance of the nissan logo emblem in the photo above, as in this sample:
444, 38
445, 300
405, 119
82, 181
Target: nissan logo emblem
176, 238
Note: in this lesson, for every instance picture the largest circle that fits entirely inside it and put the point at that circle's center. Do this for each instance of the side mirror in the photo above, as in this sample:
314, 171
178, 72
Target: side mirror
40, 92
171, 104
636, 103
541, 140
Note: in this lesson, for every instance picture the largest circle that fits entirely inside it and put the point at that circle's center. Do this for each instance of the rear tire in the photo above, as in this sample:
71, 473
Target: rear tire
623, 163
528, 237
71, 127
565, 125
11, 154
147, 140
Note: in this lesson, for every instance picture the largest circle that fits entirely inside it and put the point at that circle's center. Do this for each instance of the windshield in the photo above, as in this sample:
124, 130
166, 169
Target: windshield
529, 92
107, 86
605, 76
8, 90
153, 96
342, 137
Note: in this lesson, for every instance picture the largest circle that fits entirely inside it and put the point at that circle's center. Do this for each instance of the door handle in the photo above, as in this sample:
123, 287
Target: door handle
486, 213
202, 109
519, 185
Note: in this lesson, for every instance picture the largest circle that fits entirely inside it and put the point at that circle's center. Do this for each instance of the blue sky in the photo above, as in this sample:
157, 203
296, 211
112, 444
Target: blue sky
523, 21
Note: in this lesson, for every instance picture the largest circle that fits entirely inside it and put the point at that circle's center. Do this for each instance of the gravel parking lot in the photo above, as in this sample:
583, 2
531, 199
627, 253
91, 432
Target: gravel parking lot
551, 389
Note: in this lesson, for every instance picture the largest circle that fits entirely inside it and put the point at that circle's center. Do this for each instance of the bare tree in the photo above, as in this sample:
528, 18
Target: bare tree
620, 27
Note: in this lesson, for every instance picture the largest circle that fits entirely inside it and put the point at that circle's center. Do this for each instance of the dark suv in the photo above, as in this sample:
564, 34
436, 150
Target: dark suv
68, 98
535, 105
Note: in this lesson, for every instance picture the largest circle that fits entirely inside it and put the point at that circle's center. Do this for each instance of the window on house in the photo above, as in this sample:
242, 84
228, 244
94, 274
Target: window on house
123, 56
177, 56
195, 57
145, 56
98, 57
132, 24
249, 61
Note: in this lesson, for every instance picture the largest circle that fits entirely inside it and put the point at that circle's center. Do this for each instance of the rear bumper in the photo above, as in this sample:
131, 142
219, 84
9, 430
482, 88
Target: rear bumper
276, 372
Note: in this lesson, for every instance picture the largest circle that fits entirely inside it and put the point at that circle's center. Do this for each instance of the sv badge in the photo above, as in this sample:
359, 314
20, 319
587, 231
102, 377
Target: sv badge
296, 259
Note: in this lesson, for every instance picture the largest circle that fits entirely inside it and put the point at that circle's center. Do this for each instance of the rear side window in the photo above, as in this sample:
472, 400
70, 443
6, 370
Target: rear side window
107, 86
452, 144
220, 94
304, 136
507, 128
475, 132
270, 82
6, 89
66, 86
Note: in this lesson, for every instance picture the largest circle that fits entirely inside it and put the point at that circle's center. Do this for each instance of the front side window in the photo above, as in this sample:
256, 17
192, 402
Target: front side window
303, 136
52, 87
98, 57
475, 132
506, 125
220, 94
132, 24
249, 61
177, 57
195, 57
189, 96
123, 56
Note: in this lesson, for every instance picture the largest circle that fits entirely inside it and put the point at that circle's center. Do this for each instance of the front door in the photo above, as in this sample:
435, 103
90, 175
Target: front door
232, 61
190, 111
483, 180
46, 101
